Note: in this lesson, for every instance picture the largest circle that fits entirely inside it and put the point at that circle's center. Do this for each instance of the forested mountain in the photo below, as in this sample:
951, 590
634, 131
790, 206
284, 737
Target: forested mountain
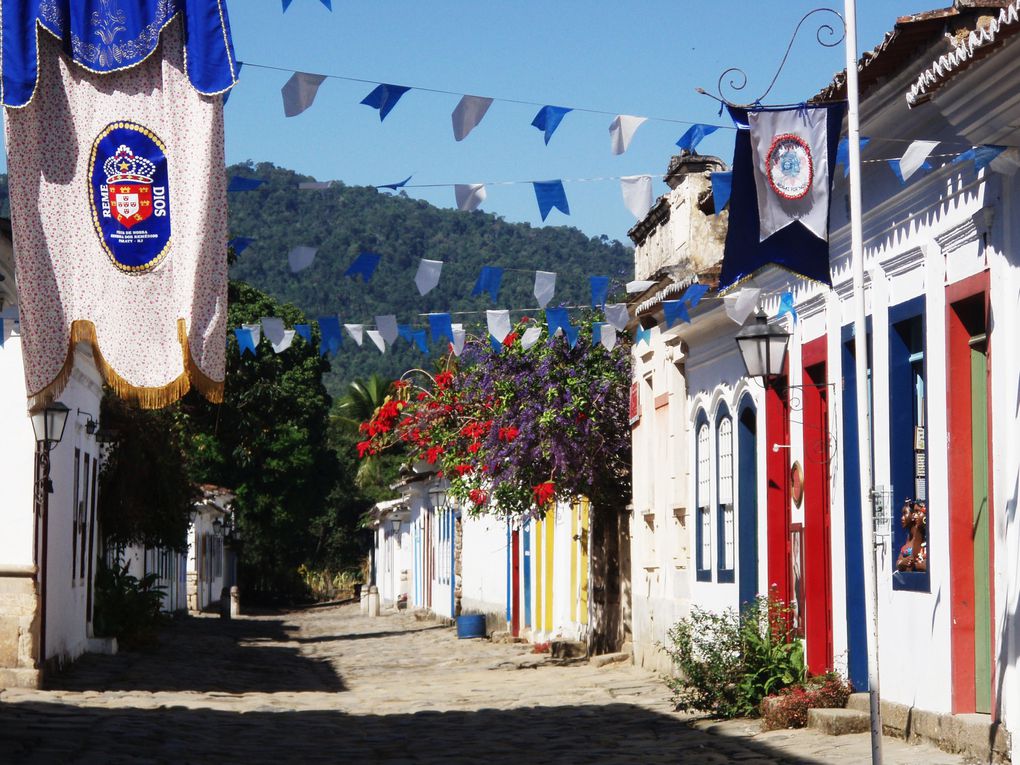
343, 220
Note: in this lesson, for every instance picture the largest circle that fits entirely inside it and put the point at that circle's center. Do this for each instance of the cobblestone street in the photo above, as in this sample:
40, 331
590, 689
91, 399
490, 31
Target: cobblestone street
329, 685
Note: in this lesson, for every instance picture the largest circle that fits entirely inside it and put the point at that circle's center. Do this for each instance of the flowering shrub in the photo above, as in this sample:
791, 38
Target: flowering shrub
789, 708
522, 427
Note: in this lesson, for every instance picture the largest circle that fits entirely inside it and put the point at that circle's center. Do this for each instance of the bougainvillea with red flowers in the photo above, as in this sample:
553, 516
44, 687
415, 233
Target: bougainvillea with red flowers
516, 430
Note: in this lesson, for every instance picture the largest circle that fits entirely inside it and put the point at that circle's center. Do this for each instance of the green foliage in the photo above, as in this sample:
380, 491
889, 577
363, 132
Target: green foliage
126, 607
268, 442
789, 708
343, 220
729, 662
326, 584
145, 492
375, 472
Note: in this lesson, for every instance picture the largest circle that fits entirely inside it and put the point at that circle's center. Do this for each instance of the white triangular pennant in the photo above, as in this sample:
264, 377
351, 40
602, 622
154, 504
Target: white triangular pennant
376, 337
428, 275
545, 287
740, 304
314, 185
387, 326
618, 315
356, 331
498, 323
622, 130
469, 195
637, 194
639, 285
914, 157
299, 92
459, 337
607, 336
530, 337
301, 257
468, 114
256, 332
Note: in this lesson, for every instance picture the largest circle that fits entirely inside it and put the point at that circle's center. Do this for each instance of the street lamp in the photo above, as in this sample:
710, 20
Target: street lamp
763, 348
48, 424
437, 496
395, 523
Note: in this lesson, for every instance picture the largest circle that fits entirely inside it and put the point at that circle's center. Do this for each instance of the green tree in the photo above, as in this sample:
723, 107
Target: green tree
363, 397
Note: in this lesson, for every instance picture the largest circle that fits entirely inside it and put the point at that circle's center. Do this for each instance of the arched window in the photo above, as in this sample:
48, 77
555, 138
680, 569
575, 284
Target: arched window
703, 529
726, 527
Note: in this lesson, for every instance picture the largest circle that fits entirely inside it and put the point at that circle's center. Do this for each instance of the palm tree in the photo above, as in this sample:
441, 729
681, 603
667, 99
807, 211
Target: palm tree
356, 406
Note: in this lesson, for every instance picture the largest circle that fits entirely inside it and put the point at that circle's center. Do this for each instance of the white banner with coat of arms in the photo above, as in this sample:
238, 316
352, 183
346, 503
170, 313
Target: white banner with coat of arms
791, 169
119, 219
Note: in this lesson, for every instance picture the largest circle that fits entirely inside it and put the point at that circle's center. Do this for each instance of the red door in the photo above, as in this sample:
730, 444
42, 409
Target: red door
817, 512
777, 473
515, 578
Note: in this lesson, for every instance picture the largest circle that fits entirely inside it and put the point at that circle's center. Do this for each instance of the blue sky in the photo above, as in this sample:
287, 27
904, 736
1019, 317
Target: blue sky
640, 57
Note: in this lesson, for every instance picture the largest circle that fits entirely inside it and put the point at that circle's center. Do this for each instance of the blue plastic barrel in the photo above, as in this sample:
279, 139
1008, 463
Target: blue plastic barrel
471, 626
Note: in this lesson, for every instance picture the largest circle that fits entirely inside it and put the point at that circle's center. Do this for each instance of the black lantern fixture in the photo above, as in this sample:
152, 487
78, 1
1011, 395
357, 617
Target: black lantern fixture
395, 523
49, 424
763, 347
437, 495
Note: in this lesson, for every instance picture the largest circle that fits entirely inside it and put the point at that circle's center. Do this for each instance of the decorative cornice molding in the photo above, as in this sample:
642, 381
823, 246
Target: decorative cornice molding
903, 262
958, 236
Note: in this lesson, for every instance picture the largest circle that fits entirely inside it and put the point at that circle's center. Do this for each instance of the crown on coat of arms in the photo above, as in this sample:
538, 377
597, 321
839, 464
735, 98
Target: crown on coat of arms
125, 166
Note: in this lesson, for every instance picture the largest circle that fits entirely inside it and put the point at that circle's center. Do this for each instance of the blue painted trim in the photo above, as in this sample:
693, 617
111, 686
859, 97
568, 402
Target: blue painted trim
701, 574
526, 548
509, 573
723, 575
747, 501
902, 403
853, 532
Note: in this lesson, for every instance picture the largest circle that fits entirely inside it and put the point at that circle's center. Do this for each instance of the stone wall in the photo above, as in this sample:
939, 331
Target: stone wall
19, 628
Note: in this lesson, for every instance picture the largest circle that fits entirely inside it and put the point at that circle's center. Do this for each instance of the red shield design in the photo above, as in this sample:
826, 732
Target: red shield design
130, 203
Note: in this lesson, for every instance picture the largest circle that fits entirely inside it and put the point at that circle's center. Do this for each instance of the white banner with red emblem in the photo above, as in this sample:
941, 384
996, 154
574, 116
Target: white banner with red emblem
791, 169
119, 218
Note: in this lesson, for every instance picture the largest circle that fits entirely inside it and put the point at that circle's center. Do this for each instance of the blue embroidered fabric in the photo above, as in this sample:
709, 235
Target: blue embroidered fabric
109, 35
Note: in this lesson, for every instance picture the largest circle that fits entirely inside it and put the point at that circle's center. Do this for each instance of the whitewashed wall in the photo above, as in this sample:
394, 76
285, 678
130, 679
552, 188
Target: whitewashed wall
484, 565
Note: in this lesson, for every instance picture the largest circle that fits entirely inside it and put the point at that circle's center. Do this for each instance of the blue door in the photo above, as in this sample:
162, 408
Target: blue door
747, 499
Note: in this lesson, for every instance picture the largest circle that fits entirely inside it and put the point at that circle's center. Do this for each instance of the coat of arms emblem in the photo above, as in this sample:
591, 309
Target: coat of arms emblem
789, 166
129, 195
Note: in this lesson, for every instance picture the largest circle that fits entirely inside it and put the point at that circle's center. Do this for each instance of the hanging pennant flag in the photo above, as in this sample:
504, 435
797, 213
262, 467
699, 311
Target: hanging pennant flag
384, 98
722, 187
545, 287
530, 337
279, 337
397, 185
621, 131
365, 264
299, 92
894, 165
356, 331
239, 183
247, 342
420, 341
488, 281
304, 331
792, 169
637, 194
239, 244
914, 157
495, 345
440, 327
459, 337
550, 194
301, 258
694, 135
599, 290
674, 311
843, 153
406, 332
498, 323
548, 119
786, 306
557, 319
739, 304
387, 326
469, 196
118, 203
982, 156
639, 285
571, 333
618, 315
428, 275
315, 185
793, 246
603, 334
329, 334
693, 294
468, 114
376, 337
643, 336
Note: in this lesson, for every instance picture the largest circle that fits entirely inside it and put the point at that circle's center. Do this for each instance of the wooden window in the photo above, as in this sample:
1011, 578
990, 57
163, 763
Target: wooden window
703, 529
725, 502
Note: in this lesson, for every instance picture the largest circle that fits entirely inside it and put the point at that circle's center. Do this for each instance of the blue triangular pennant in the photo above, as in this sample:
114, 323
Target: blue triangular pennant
488, 281
693, 294
550, 194
571, 332
722, 187
556, 318
786, 306
440, 326
497, 347
894, 165
548, 119
406, 332
397, 185
365, 264
305, 331
240, 183
982, 156
245, 341
643, 336
329, 331
599, 290
419, 338
384, 98
694, 135
674, 311
843, 153
240, 244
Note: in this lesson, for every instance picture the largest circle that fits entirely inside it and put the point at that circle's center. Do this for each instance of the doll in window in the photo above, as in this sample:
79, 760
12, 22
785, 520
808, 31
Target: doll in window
913, 554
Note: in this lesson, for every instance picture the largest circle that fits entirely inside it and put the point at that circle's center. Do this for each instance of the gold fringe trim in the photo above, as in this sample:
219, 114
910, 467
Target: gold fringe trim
83, 331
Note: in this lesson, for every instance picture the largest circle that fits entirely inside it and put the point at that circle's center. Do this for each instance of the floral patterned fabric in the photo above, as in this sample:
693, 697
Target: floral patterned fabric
157, 331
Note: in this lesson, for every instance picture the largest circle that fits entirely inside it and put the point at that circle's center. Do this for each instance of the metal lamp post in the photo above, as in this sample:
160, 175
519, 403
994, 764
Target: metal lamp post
48, 424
